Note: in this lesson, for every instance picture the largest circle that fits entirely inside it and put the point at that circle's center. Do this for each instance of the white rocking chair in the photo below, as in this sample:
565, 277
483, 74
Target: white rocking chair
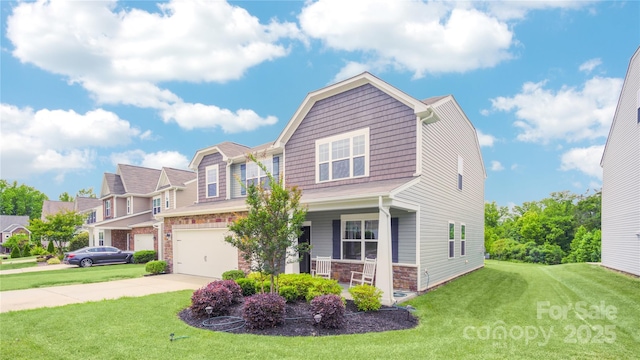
323, 267
367, 274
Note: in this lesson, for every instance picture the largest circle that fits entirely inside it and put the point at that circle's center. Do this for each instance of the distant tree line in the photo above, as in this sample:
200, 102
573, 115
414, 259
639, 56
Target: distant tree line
564, 227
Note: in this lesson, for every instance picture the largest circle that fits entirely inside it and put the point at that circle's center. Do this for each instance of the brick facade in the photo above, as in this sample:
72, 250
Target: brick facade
195, 220
119, 239
404, 277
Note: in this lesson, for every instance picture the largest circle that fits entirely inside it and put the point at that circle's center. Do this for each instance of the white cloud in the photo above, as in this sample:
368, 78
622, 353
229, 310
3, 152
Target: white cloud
191, 116
569, 114
155, 160
36, 142
352, 68
485, 139
496, 166
586, 160
514, 166
509, 9
485, 112
589, 65
121, 55
431, 37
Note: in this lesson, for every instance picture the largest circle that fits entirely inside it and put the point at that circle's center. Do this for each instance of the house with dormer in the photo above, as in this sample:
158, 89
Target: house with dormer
131, 198
383, 175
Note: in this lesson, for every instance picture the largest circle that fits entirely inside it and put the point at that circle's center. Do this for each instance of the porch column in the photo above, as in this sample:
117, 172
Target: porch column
384, 268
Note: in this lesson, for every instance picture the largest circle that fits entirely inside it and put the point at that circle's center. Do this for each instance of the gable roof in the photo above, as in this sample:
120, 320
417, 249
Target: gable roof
50, 207
137, 179
171, 177
85, 203
422, 110
112, 185
227, 149
9, 223
627, 80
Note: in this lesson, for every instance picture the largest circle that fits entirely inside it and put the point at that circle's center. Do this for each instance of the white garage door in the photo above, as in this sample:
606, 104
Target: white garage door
203, 252
143, 242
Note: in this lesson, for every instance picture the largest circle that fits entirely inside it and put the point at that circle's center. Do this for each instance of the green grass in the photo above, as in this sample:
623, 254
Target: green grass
506, 294
37, 279
18, 265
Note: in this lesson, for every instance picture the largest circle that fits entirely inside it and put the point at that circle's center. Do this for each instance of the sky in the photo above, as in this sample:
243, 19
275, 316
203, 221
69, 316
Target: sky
85, 85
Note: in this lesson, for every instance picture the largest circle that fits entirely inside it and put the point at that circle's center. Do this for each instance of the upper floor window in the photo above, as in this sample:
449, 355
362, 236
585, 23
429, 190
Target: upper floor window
359, 236
91, 217
107, 208
156, 204
460, 172
129, 205
251, 173
166, 200
343, 156
212, 180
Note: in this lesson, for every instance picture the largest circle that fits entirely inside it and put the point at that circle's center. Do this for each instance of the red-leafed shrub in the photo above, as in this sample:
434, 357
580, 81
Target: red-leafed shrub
264, 310
233, 287
331, 310
216, 296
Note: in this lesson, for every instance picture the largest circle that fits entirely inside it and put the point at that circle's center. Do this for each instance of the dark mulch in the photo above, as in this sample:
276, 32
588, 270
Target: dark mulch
300, 321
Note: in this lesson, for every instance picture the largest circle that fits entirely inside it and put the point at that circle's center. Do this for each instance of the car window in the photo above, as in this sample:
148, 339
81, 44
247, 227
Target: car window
111, 249
93, 250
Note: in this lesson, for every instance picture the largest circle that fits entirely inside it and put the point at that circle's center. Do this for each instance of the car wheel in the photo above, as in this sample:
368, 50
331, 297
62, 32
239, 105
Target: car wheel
86, 262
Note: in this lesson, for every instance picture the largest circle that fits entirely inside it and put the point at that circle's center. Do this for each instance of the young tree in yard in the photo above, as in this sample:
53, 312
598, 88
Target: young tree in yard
18, 241
267, 235
59, 228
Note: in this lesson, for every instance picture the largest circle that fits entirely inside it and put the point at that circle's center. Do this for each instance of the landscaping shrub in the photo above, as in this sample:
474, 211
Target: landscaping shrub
27, 251
321, 286
289, 293
248, 286
301, 283
38, 250
156, 267
232, 286
41, 259
263, 310
79, 241
144, 256
233, 275
15, 252
50, 248
366, 297
218, 297
330, 308
53, 261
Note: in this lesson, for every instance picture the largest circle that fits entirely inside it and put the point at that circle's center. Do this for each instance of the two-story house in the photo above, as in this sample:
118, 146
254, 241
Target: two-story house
621, 179
131, 198
12, 225
382, 174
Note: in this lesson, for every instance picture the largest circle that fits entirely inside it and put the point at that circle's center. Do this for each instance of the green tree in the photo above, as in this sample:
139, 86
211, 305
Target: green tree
20, 200
65, 197
79, 241
59, 228
586, 246
17, 241
588, 211
267, 235
88, 192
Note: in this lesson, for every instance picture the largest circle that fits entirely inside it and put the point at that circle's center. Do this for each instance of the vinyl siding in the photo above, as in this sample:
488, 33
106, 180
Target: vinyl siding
441, 201
392, 128
322, 232
209, 160
621, 181
187, 196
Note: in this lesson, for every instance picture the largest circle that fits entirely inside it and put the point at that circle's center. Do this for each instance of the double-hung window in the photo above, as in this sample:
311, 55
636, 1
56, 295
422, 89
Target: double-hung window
107, 208
252, 174
343, 156
156, 205
166, 200
128, 205
101, 238
460, 163
463, 240
212, 181
452, 239
359, 236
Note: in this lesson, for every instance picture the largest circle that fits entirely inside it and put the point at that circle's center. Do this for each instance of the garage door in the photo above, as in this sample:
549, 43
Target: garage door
143, 242
203, 252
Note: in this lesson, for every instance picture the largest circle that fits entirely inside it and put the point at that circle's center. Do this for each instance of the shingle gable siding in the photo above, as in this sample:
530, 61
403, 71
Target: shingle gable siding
392, 136
209, 160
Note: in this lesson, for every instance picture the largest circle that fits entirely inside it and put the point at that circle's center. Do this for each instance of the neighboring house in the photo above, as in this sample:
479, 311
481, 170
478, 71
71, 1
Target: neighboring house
383, 175
621, 179
91, 208
129, 200
52, 207
12, 225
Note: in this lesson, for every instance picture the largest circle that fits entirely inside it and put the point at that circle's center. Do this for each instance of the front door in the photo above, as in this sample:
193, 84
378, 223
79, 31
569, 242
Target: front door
305, 238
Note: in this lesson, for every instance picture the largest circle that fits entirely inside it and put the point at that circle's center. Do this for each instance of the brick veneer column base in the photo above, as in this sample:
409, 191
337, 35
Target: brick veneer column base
404, 277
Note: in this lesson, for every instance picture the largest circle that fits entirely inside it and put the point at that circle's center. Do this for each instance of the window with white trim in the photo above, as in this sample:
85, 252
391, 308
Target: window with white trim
343, 156
107, 208
156, 205
463, 240
166, 199
252, 174
460, 163
101, 238
128, 205
452, 239
212, 181
359, 239
91, 217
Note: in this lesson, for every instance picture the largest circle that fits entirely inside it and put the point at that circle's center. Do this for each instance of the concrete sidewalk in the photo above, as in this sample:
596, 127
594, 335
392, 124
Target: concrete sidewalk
73, 294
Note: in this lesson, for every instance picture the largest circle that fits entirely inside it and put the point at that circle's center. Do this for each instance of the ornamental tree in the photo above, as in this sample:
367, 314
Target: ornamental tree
267, 235
59, 228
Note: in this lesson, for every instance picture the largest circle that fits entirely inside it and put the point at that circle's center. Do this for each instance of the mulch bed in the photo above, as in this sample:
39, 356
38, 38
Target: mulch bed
301, 321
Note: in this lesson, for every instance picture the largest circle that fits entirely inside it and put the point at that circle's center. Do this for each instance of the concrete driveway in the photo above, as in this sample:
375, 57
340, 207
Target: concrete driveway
72, 294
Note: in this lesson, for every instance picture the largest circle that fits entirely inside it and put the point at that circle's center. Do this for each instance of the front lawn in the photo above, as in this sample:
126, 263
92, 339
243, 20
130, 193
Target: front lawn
37, 279
462, 319
17, 265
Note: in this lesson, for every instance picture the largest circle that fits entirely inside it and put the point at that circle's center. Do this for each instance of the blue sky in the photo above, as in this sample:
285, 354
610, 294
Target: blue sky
86, 85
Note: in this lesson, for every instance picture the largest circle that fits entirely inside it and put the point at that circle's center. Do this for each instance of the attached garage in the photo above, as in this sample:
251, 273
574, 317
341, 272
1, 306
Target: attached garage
143, 242
203, 252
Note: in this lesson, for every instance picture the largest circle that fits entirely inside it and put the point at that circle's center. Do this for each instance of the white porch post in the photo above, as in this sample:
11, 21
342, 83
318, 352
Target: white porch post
384, 268
291, 267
